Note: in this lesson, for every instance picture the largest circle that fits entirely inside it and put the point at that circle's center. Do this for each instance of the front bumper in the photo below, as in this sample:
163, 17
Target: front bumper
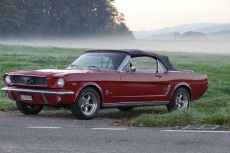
40, 96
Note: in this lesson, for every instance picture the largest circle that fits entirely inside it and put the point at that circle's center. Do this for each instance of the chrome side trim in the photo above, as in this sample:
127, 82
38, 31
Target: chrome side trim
52, 92
145, 103
167, 90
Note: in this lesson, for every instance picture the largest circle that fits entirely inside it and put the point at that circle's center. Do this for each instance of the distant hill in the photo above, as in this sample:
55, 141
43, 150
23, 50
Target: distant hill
219, 34
215, 28
197, 27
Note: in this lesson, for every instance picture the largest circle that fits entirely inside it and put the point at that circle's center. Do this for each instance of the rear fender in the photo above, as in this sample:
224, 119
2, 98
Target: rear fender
184, 85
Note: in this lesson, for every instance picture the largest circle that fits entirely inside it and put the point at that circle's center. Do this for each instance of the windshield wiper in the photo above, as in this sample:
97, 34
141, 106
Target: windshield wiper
92, 66
76, 66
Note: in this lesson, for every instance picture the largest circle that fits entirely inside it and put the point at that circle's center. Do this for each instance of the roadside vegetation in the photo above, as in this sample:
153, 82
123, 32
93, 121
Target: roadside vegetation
212, 108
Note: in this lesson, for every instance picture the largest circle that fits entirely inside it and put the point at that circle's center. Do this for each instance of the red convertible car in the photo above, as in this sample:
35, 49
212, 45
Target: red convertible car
106, 78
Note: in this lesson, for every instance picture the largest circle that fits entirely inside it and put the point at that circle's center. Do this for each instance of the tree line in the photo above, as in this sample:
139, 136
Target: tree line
190, 35
68, 18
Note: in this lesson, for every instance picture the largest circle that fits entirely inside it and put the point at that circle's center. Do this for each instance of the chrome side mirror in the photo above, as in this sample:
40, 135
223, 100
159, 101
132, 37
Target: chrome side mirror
132, 69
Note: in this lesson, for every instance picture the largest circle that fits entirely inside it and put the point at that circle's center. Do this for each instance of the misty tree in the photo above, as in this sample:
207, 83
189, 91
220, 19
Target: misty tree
176, 35
75, 18
11, 18
36, 15
193, 35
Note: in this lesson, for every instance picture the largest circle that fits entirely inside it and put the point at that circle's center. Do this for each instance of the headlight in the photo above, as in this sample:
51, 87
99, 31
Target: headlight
7, 79
60, 82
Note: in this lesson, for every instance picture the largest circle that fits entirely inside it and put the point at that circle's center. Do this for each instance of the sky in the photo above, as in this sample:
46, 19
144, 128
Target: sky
157, 14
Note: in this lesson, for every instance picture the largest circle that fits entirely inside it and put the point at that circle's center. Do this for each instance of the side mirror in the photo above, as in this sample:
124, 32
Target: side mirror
132, 69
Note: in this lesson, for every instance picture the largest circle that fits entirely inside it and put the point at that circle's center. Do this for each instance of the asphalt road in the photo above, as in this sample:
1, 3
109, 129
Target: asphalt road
54, 132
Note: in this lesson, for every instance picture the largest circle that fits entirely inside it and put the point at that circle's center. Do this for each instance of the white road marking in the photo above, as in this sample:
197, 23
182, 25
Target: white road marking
196, 131
114, 129
43, 127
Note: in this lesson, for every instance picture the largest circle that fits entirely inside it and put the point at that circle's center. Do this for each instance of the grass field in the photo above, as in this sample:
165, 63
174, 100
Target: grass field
212, 108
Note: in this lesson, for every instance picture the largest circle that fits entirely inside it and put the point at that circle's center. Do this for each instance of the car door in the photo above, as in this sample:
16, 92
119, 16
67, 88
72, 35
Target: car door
143, 85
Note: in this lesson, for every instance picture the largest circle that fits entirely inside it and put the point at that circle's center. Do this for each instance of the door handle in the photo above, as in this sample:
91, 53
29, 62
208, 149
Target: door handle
159, 76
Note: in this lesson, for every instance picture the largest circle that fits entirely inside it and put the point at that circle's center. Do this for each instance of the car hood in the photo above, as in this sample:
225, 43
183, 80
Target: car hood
53, 72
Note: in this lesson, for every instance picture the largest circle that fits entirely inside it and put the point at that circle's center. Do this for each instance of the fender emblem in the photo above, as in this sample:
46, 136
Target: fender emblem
108, 92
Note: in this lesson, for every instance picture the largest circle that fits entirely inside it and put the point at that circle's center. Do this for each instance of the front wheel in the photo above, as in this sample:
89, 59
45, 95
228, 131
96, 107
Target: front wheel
86, 105
28, 109
179, 100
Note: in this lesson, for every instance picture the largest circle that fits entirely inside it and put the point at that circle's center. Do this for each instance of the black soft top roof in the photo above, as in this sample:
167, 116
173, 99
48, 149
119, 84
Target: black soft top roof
137, 53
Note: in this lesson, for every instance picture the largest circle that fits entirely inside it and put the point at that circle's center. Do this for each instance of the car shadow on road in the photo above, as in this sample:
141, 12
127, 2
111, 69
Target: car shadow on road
114, 113
103, 114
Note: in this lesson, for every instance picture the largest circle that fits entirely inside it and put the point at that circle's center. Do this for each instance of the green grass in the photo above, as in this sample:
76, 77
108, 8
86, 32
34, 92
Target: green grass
212, 108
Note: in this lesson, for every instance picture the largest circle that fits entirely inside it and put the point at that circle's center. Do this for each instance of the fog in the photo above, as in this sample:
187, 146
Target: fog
220, 46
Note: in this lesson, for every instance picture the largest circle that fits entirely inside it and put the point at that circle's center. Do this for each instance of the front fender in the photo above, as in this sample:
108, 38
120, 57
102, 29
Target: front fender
86, 84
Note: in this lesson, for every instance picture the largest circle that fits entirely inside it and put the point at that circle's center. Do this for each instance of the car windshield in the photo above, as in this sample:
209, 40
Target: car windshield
110, 61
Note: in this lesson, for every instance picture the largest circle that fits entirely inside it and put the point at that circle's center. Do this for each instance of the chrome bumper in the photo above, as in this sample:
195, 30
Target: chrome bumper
42, 92
53, 92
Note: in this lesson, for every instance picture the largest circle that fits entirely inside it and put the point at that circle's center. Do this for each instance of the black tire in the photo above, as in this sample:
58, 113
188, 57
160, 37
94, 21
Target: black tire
125, 108
28, 109
86, 105
179, 100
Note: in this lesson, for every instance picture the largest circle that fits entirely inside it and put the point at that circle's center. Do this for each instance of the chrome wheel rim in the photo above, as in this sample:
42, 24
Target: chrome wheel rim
182, 100
88, 103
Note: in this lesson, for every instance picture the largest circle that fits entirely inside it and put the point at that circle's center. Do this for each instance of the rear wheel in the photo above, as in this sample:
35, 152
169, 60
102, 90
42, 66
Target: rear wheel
179, 100
86, 105
125, 108
29, 109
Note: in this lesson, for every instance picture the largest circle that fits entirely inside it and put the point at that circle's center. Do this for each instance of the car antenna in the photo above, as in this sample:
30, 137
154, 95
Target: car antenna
57, 48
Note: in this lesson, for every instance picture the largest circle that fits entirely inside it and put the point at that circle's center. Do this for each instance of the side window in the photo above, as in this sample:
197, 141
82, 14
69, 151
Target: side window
161, 67
144, 64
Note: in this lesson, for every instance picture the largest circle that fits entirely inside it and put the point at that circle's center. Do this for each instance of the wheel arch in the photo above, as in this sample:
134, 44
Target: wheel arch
95, 87
183, 85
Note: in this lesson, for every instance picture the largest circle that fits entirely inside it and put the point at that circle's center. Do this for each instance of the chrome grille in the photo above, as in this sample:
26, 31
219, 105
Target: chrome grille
28, 80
